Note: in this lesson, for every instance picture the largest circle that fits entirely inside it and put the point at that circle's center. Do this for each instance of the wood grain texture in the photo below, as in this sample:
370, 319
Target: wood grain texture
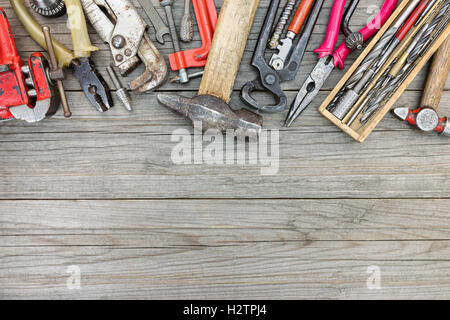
232, 30
100, 191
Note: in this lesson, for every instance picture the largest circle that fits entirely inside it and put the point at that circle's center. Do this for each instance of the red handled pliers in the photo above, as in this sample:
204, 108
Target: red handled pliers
328, 59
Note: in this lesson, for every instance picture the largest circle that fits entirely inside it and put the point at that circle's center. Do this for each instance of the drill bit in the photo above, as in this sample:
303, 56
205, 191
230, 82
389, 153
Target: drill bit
187, 23
436, 21
418, 47
287, 11
353, 90
121, 92
381, 47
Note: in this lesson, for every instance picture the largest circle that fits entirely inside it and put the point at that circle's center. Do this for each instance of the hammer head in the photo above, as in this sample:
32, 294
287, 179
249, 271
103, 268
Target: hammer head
213, 113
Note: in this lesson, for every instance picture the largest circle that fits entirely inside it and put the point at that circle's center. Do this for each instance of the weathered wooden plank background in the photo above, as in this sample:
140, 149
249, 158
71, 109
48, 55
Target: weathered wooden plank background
100, 191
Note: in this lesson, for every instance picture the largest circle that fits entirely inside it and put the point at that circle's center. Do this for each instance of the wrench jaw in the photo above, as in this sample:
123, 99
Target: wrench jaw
119, 24
156, 69
42, 101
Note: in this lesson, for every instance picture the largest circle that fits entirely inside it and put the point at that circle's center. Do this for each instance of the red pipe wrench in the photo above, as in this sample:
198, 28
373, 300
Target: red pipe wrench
328, 59
206, 15
25, 91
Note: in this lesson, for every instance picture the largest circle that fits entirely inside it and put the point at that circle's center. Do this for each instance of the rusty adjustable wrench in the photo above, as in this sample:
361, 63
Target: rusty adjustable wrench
119, 24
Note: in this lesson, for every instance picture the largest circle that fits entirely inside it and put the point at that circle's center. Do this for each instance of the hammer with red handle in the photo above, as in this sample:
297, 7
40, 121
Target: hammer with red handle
426, 118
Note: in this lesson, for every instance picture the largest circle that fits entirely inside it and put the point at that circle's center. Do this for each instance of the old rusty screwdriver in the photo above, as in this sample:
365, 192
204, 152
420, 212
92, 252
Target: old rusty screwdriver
56, 73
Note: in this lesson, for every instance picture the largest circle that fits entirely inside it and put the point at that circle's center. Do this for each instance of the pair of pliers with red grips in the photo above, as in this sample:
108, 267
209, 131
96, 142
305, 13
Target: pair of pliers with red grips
329, 59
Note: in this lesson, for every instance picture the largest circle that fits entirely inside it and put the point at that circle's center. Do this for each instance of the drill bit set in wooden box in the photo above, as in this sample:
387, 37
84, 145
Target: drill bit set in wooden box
387, 66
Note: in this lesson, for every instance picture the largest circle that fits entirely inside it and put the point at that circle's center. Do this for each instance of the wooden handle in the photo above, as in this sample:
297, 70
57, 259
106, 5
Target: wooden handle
232, 30
437, 76
82, 46
300, 16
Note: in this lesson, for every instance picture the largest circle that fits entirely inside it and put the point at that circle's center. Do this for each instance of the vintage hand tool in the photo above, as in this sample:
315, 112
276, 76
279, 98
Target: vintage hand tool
426, 117
121, 92
48, 8
156, 20
270, 79
329, 60
26, 91
187, 23
353, 89
206, 15
168, 7
56, 73
278, 59
210, 107
279, 28
119, 24
92, 83
402, 65
392, 76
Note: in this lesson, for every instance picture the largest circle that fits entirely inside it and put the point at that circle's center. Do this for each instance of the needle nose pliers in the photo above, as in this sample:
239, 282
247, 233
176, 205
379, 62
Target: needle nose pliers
328, 59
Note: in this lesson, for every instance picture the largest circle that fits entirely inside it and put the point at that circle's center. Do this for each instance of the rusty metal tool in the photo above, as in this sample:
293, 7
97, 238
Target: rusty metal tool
56, 73
403, 64
26, 91
328, 59
381, 45
48, 8
121, 92
279, 28
168, 7
119, 24
399, 66
187, 23
270, 79
426, 118
94, 86
353, 89
211, 107
156, 20
206, 16
284, 49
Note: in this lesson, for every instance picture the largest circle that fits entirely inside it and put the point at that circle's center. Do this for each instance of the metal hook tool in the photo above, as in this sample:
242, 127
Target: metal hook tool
269, 78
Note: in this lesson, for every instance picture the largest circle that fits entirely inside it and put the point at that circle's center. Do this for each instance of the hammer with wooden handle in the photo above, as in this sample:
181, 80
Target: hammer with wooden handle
426, 118
211, 107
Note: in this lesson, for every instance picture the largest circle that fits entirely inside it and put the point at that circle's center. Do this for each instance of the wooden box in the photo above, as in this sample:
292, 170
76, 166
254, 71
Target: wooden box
358, 131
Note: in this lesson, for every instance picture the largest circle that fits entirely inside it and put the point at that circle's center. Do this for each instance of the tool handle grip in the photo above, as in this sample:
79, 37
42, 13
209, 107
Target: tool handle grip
437, 77
8, 49
82, 46
367, 32
64, 55
333, 29
415, 15
300, 16
232, 30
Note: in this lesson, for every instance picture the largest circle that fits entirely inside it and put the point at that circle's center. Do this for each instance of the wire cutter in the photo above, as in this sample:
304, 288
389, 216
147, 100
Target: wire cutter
94, 86
328, 59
